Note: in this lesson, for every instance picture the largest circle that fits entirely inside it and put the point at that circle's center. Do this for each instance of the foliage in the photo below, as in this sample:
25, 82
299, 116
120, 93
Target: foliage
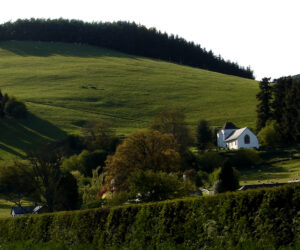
264, 97
123, 36
11, 107
173, 122
149, 87
91, 190
208, 161
85, 162
270, 217
66, 195
285, 108
142, 150
227, 179
270, 135
245, 158
16, 183
16, 109
148, 186
204, 135
189, 160
100, 135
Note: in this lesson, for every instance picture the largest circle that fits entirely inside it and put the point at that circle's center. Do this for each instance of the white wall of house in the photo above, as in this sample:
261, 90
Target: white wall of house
240, 141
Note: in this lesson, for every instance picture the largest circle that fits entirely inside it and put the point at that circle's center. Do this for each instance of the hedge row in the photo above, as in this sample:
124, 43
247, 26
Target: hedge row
266, 216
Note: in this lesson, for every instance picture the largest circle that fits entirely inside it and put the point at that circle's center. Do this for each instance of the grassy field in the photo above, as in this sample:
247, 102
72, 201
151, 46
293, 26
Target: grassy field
278, 167
65, 85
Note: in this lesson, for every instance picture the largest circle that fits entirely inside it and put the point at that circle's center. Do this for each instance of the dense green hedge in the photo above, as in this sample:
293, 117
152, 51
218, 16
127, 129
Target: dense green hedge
266, 216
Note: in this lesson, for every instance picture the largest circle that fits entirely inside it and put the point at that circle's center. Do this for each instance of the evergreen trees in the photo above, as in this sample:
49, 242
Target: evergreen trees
123, 36
284, 109
264, 106
204, 135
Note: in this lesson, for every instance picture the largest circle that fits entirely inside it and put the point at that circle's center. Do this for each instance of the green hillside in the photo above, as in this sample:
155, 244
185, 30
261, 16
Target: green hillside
64, 85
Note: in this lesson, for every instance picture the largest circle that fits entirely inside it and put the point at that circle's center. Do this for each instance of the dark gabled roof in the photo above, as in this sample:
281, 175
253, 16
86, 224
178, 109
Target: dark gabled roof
229, 125
23, 210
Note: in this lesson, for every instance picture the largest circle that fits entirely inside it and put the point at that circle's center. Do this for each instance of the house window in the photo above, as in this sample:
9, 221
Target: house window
247, 139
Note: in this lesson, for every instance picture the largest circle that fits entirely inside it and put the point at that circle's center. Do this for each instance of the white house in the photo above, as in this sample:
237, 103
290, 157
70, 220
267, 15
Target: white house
236, 138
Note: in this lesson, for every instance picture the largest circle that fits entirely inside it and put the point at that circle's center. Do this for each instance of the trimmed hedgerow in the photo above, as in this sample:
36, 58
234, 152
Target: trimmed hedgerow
268, 217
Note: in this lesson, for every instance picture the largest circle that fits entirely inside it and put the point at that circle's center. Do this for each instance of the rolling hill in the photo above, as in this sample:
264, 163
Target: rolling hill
65, 85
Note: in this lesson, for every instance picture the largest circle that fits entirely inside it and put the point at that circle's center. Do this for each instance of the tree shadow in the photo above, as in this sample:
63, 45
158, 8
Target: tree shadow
28, 134
46, 49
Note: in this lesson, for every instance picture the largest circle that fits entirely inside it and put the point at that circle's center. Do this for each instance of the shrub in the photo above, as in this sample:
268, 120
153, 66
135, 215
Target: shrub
156, 186
245, 158
85, 162
269, 135
209, 161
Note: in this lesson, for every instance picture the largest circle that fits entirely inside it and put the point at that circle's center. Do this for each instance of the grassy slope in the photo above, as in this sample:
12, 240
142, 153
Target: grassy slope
65, 85
278, 168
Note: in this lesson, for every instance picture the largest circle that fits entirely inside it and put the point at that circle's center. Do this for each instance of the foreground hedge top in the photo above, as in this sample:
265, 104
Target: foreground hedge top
266, 216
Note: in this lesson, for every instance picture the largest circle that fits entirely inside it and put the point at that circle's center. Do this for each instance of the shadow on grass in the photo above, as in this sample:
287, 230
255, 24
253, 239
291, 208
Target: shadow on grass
45, 49
27, 134
266, 172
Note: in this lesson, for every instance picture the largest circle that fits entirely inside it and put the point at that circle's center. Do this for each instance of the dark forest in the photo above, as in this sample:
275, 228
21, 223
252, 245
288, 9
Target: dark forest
125, 37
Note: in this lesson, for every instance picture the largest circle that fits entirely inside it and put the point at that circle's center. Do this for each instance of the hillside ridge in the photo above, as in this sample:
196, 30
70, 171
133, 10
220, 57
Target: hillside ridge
65, 85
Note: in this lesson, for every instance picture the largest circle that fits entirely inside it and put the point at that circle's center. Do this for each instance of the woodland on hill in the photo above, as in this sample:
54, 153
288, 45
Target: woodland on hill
125, 37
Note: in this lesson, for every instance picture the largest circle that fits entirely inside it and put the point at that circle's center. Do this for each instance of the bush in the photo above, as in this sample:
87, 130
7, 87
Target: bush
209, 161
269, 135
85, 162
245, 158
156, 186
269, 217
15, 109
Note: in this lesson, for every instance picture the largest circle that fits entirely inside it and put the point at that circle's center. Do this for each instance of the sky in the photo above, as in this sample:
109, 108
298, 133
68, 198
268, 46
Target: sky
262, 34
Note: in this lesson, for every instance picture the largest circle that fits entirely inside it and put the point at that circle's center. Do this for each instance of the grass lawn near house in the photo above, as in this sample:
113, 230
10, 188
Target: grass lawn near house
278, 167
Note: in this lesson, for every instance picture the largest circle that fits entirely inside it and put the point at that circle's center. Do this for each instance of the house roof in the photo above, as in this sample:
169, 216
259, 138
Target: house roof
229, 125
235, 134
23, 210
26, 209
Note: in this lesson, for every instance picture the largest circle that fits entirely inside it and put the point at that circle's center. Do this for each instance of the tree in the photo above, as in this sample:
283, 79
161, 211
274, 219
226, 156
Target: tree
227, 179
100, 135
142, 150
264, 103
46, 174
149, 186
90, 191
269, 135
204, 135
16, 184
173, 122
85, 162
16, 109
66, 195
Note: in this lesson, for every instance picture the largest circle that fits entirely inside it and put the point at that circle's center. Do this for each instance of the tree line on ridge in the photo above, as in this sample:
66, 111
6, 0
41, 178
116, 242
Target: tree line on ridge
125, 37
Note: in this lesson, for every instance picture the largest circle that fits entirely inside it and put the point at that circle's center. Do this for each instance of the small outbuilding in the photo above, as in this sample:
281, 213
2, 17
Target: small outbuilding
24, 210
232, 137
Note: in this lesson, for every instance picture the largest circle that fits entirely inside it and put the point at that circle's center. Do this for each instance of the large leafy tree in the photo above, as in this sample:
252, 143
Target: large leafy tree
17, 184
173, 122
142, 150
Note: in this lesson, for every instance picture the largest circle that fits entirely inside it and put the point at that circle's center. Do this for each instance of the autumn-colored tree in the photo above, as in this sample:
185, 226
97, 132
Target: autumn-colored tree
173, 122
142, 150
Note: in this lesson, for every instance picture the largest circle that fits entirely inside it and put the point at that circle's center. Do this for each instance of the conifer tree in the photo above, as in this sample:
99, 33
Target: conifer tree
264, 97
